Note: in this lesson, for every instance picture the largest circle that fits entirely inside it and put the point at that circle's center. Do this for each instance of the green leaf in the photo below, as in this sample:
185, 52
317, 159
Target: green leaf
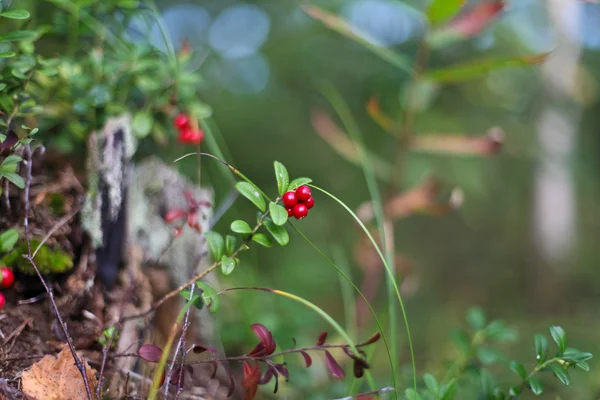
536, 386
442, 10
230, 244
2, 87
250, 192
216, 244
448, 392
227, 265
278, 214
576, 355
475, 69
560, 337
12, 159
518, 369
263, 239
296, 183
283, 179
8, 239
461, 340
488, 355
541, 347
15, 179
15, 14
142, 124
240, 226
410, 394
196, 298
279, 233
18, 36
100, 95
476, 318
7, 54
432, 384
561, 374
209, 296
515, 390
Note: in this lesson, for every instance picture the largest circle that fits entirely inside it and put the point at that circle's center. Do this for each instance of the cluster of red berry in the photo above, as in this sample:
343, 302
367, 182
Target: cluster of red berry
298, 202
187, 134
7, 278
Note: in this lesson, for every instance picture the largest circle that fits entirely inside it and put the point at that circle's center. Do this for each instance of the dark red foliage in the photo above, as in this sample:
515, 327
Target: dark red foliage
251, 380
307, 359
199, 349
150, 352
267, 344
332, 365
10, 141
174, 214
372, 339
321, 339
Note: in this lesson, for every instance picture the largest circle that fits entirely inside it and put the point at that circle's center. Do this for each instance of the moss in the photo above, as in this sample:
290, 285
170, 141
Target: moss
48, 261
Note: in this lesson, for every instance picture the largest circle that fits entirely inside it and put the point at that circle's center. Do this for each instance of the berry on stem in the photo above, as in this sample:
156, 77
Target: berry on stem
289, 199
300, 211
191, 136
7, 278
310, 203
303, 193
290, 212
181, 121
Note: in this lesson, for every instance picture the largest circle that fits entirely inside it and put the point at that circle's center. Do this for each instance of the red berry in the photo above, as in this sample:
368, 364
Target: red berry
303, 193
289, 199
290, 212
300, 211
8, 278
310, 203
2, 301
181, 121
190, 136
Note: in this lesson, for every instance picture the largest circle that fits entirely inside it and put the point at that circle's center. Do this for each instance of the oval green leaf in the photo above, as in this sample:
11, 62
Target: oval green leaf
279, 233
7, 54
240, 226
431, 384
278, 214
142, 124
15, 14
227, 265
283, 179
442, 10
209, 296
18, 36
560, 337
541, 347
230, 244
561, 374
8, 239
262, 239
250, 192
536, 386
15, 179
296, 183
216, 244
518, 369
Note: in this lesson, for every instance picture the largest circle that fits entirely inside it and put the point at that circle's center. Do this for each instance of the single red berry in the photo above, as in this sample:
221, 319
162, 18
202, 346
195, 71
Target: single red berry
2, 301
310, 203
303, 193
290, 212
300, 211
8, 278
181, 121
289, 199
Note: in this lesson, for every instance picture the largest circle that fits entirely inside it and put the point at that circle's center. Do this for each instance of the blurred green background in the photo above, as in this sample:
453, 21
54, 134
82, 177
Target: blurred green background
523, 245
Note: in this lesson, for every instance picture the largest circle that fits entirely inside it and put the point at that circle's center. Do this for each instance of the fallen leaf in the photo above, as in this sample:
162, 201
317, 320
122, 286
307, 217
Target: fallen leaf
57, 378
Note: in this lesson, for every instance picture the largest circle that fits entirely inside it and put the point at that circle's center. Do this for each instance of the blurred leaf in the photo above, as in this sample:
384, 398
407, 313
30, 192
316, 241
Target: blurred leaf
250, 192
515, 390
14, 178
470, 23
196, 298
432, 384
262, 239
227, 265
142, 124
560, 337
150, 353
536, 386
6, 54
307, 359
278, 214
442, 10
561, 374
476, 318
15, 14
12, 160
448, 392
476, 69
210, 296
279, 233
296, 183
216, 244
18, 36
283, 179
100, 95
8, 239
456, 144
488, 355
230, 244
461, 340
240, 226
341, 26
541, 347
518, 369
332, 365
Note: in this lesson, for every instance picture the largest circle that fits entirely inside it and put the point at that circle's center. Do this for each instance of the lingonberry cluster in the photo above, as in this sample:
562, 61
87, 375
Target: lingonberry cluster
187, 133
298, 202
7, 278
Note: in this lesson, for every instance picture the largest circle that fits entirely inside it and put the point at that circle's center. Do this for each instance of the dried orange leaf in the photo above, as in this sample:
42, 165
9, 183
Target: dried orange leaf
56, 378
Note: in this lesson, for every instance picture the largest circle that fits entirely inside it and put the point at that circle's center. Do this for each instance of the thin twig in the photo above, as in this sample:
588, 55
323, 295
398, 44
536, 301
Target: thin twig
56, 227
29, 257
